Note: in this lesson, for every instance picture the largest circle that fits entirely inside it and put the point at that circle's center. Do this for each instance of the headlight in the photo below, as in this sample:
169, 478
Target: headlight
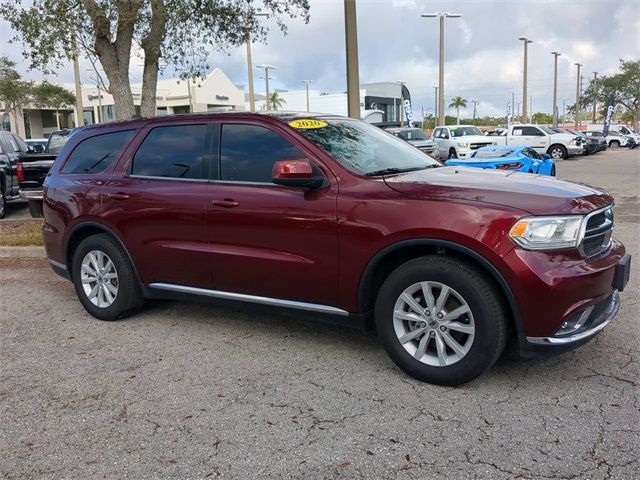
463, 144
547, 233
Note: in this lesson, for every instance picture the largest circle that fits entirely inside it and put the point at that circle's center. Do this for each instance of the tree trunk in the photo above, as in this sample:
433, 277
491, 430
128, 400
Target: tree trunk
58, 119
151, 45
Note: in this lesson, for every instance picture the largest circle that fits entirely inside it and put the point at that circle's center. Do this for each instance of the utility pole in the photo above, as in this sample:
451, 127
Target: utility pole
513, 106
442, 16
306, 86
577, 106
266, 68
475, 103
595, 100
435, 106
76, 77
247, 22
526, 42
555, 88
353, 74
531, 109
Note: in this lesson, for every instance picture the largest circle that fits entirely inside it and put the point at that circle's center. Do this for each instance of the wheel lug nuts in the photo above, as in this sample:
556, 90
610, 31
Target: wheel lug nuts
423, 324
427, 313
443, 329
439, 315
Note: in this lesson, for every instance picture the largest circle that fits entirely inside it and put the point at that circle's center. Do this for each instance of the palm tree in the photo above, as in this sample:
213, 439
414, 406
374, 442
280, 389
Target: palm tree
457, 102
276, 101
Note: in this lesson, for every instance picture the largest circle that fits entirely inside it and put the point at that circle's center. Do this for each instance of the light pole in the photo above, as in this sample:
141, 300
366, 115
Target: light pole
564, 109
475, 103
577, 107
442, 16
353, 74
401, 83
526, 42
306, 86
248, 19
266, 68
595, 101
555, 88
435, 104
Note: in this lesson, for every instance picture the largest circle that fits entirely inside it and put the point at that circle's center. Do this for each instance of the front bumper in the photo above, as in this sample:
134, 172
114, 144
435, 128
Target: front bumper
575, 150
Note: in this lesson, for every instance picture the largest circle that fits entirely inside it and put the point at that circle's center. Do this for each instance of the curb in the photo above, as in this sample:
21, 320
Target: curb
22, 252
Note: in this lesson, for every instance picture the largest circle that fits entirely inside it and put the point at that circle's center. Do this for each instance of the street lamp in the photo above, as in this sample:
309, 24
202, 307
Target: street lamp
248, 19
526, 42
266, 68
577, 107
306, 86
442, 16
555, 88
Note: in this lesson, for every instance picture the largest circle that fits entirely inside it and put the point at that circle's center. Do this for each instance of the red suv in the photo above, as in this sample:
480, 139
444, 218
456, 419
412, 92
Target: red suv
332, 215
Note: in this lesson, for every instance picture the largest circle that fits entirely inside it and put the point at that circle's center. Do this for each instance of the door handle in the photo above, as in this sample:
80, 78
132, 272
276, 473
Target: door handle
226, 203
118, 196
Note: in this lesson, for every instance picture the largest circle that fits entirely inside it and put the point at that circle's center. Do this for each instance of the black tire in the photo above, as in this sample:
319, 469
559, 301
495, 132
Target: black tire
557, 152
3, 204
553, 171
614, 144
35, 208
480, 294
452, 153
129, 297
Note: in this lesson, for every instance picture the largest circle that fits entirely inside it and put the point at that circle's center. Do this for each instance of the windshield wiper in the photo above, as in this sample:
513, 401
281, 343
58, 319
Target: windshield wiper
393, 170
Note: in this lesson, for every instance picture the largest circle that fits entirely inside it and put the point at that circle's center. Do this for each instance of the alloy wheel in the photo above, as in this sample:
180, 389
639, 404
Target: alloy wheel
557, 153
99, 278
434, 323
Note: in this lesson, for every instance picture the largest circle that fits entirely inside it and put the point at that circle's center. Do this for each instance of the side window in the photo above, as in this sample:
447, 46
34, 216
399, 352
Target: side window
533, 154
248, 152
175, 151
13, 144
436, 133
95, 154
531, 131
22, 146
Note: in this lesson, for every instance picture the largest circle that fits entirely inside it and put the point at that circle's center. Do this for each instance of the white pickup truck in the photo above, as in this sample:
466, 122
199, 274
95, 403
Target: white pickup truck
461, 141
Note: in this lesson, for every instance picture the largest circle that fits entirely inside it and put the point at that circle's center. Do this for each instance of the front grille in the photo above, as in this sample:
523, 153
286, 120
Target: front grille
598, 232
475, 146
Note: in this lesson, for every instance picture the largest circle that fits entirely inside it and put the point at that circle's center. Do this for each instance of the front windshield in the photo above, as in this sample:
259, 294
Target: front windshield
546, 129
414, 134
365, 149
484, 154
465, 131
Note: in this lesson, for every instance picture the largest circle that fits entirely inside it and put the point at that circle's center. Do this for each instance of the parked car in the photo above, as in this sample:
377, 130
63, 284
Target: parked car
513, 158
11, 146
617, 140
601, 139
34, 167
615, 128
459, 141
543, 140
415, 137
37, 145
333, 215
591, 145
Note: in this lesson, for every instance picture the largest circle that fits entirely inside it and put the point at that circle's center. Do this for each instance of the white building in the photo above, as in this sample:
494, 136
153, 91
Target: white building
215, 92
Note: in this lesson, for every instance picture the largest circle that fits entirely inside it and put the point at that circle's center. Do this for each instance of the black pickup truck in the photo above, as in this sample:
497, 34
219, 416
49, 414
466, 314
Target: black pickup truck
11, 148
32, 168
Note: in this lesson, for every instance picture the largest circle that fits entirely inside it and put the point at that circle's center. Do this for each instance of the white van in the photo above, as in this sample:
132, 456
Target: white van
615, 128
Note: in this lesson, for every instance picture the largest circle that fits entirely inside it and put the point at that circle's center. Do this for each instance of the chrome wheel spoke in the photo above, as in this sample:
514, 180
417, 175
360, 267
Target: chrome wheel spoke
442, 351
110, 276
412, 302
88, 270
456, 313
428, 295
460, 327
442, 299
94, 291
110, 288
107, 294
408, 316
412, 334
422, 347
89, 280
455, 346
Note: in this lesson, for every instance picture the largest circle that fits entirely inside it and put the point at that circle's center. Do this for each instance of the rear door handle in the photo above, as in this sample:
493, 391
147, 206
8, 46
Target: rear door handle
118, 196
226, 203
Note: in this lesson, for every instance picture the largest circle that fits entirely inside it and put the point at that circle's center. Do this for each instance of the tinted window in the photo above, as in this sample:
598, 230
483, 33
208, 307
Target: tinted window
21, 144
95, 154
248, 152
176, 151
13, 144
532, 131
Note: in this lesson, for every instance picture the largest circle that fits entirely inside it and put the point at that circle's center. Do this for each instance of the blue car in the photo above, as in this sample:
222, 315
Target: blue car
512, 157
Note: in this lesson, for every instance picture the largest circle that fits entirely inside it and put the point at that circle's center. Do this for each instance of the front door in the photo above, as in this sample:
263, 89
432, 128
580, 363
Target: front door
158, 204
270, 240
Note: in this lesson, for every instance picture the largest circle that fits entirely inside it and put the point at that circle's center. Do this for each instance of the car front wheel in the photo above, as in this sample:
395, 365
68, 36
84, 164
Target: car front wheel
557, 152
104, 279
441, 320
452, 153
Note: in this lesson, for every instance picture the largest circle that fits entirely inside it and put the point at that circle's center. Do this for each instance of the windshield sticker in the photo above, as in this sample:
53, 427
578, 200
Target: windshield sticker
307, 123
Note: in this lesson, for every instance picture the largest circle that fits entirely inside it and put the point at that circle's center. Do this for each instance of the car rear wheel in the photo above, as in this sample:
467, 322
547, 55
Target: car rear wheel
441, 320
104, 279
553, 171
452, 153
614, 144
557, 152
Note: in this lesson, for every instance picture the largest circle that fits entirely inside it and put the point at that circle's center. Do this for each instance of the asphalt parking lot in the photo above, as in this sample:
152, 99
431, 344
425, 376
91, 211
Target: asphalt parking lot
202, 391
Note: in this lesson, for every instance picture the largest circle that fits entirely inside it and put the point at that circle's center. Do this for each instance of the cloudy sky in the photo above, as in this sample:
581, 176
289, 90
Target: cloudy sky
483, 54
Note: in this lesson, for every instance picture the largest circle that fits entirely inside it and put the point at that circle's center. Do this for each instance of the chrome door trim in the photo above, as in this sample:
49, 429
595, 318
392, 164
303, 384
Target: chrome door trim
276, 302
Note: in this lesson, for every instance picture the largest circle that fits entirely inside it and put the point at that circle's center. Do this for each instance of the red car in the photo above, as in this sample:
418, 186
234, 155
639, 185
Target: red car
328, 214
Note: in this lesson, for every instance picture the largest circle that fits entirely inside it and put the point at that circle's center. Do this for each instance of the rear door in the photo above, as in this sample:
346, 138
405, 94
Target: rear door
529, 136
158, 203
270, 240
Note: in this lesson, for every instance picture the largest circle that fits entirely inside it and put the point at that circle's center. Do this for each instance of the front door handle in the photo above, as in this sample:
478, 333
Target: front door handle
118, 196
226, 203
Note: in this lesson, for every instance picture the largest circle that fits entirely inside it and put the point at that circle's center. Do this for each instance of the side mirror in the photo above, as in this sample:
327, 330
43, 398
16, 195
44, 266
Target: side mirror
296, 173
546, 156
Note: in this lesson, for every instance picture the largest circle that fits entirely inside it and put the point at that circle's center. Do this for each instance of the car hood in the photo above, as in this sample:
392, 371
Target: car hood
421, 143
563, 137
536, 194
472, 139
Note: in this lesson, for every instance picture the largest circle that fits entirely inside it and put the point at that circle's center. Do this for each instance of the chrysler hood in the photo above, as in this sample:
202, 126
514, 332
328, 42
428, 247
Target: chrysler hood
536, 194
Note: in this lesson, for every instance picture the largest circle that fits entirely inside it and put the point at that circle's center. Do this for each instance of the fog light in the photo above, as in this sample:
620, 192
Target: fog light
575, 322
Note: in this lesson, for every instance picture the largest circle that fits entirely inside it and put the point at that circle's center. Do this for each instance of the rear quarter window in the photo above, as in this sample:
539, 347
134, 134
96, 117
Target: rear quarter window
95, 154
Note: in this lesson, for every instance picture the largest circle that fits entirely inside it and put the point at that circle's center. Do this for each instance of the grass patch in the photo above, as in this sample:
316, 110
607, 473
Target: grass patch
31, 234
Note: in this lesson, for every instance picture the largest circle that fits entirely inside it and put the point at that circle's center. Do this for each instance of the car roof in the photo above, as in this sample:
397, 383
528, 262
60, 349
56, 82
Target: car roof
401, 129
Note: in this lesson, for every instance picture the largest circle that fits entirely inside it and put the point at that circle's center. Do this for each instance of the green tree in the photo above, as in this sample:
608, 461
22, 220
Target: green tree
540, 117
14, 92
46, 94
457, 102
624, 86
181, 33
276, 101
